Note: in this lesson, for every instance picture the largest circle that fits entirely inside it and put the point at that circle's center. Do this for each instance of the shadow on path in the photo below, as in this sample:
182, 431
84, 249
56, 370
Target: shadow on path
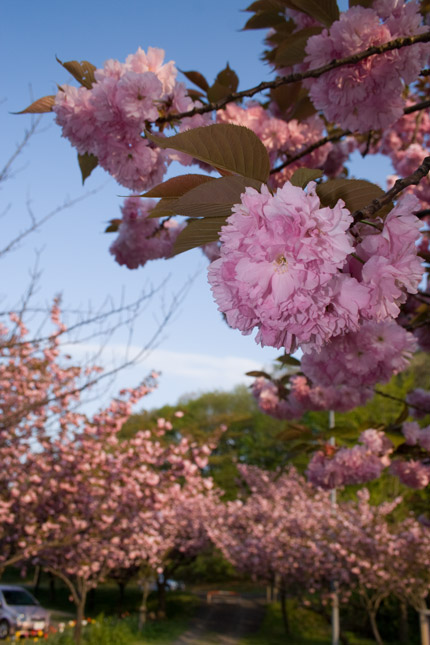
225, 621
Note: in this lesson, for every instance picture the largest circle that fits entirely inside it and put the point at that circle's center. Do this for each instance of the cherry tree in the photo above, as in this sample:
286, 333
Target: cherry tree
300, 253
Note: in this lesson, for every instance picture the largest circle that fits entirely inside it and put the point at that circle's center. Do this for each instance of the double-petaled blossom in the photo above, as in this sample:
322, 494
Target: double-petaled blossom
279, 269
107, 120
361, 463
361, 359
368, 94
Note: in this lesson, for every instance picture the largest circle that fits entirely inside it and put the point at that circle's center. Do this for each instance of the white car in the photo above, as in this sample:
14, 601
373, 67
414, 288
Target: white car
21, 612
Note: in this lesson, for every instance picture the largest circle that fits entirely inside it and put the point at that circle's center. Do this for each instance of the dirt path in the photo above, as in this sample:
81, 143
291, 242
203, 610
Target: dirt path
224, 622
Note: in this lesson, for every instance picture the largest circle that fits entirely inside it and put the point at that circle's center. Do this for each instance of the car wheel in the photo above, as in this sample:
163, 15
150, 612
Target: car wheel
4, 629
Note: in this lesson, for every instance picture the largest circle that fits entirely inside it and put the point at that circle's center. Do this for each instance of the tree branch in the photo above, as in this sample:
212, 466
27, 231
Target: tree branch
309, 149
401, 184
397, 43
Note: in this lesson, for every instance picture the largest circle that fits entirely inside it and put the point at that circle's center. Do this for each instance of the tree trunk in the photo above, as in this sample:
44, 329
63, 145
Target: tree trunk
161, 590
52, 593
377, 635
424, 626
283, 599
36, 579
121, 586
92, 599
403, 624
80, 614
143, 606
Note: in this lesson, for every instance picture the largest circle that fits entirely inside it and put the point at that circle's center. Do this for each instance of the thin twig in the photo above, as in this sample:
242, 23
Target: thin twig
397, 43
399, 400
309, 149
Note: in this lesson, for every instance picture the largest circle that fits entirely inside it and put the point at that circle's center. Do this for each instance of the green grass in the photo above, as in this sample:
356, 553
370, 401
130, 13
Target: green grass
307, 628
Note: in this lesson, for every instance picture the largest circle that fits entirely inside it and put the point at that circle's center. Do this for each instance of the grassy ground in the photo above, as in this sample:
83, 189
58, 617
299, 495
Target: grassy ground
307, 628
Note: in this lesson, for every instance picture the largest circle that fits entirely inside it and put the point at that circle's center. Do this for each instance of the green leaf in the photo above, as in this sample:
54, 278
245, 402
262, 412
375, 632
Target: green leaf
286, 359
196, 78
303, 176
356, 193
82, 71
87, 163
198, 232
214, 199
177, 186
223, 145
292, 51
258, 373
325, 11
45, 104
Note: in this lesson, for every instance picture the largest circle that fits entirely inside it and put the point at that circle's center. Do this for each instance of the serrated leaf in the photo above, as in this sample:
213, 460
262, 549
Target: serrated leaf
258, 374
214, 199
286, 359
356, 193
264, 20
292, 51
87, 163
223, 145
303, 176
41, 106
82, 71
196, 78
113, 226
177, 186
197, 233
325, 11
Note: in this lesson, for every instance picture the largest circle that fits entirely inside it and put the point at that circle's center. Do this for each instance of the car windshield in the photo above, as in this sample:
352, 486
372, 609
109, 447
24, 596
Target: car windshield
18, 597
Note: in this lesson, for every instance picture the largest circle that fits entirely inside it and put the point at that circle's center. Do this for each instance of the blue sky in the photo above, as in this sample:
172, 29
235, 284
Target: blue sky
198, 351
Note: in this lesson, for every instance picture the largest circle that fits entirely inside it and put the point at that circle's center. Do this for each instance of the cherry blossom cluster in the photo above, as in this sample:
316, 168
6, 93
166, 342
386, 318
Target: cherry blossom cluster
108, 119
286, 267
361, 359
368, 94
141, 238
333, 468
301, 397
